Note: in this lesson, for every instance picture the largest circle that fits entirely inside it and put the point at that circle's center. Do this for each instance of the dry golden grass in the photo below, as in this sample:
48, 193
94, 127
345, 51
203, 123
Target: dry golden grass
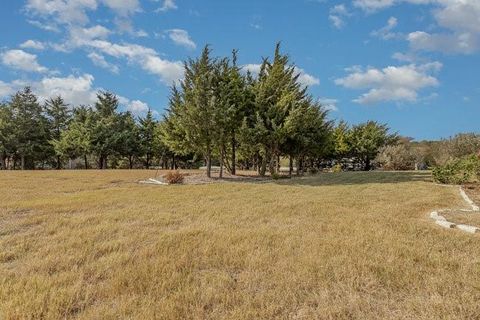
97, 245
469, 218
460, 217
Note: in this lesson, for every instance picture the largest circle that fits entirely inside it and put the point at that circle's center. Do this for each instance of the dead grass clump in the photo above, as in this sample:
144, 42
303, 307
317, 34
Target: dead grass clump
174, 177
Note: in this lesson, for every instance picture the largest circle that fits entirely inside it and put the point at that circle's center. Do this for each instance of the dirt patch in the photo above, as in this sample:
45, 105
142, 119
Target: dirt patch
201, 178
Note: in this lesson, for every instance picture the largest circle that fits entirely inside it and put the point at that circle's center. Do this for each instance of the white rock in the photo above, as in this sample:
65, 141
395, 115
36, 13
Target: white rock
469, 229
445, 224
434, 215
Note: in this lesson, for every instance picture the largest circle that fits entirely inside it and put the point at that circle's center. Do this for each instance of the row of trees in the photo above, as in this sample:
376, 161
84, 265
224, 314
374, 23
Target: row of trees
218, 115
46, 135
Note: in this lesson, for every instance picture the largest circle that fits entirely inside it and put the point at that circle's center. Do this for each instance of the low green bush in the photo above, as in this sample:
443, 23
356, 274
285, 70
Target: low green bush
459, 171
276, 176
337, 168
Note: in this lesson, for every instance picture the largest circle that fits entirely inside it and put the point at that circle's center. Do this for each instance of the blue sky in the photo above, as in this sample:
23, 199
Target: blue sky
412, 64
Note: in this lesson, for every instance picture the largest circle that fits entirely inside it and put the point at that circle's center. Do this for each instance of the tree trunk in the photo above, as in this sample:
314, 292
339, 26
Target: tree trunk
130, 162
278, 164
290, 166
300, 166
234, 156
209, 165
262, 168
59, 163
148, 161
221, 165
3, 162
22, 161
368, 165
86, 161
271, 165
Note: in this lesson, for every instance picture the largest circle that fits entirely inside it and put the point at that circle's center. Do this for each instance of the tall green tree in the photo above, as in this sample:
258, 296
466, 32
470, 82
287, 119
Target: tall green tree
192, 115
277, 93
31, 128
75, 141
147, 126
8, 141
59, 116
308, 133
367, 139
130, 141
106, 133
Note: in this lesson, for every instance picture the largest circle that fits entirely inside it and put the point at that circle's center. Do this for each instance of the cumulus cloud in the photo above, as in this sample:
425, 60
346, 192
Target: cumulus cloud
63, 11
386, 33
392, 83
21, 60
460, 18
373, 5
75, 90
33, 44
303, 77
337, 15
75, 11
99, 61
5, 89
462, 43
167, 6
329, 103
182, 38
123, 7
94, 39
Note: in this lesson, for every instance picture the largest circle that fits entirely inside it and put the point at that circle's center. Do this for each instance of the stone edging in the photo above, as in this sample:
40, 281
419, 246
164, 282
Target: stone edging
441, 221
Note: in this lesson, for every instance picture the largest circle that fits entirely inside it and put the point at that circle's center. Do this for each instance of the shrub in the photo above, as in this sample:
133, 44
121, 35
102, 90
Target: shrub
276, 176
337, 168
174, 177
459, 171
313, 170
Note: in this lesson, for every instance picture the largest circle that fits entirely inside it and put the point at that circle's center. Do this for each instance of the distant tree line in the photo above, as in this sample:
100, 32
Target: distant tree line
217, 115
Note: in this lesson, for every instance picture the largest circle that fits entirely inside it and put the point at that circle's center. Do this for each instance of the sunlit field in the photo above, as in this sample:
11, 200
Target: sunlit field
99, 245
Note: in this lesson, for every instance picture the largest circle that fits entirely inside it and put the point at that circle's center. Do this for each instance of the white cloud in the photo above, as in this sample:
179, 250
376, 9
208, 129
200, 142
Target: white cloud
373, 5
304, 78
99, 61
329, 103
33, 44
337, 15
386, 33
123, 7
459, 15
181, 38
391, 83
21, 60
461, 18
405, 57
63, 11
167, 5
147, 58
463, 43
74, 12
5, 89
75, 90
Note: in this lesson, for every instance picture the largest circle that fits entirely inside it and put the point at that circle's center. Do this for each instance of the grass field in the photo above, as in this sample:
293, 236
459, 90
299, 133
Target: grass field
98, 245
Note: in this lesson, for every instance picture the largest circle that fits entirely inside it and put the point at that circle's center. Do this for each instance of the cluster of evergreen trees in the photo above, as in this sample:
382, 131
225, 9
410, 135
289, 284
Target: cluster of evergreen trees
217, 115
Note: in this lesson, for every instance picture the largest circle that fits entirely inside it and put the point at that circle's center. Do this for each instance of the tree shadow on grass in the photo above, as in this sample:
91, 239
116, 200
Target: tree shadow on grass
357, 178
